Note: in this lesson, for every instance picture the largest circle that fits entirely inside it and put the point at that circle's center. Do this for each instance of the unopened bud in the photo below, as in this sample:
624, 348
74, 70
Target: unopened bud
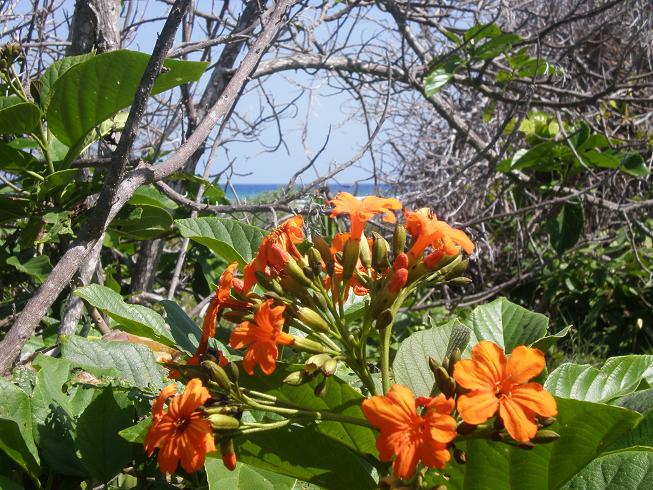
401, 262
385, 319
433, 259
380, 250
398, 239
329, 367
458, 269
350, 258
315, 260
237, 316
232, 371
365, 253
543, 436
399, 280
296, 272
308, 272
321, 389
434, 365
460, 456
307, 345
545, 422
325, 252
312, 320
268, 283
454, 357
223, 422
446, 384
217, 374
296, 378
526, 445
460, 281
228, 453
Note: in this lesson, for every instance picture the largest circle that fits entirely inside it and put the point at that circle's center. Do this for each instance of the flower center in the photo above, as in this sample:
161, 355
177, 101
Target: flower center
181, 424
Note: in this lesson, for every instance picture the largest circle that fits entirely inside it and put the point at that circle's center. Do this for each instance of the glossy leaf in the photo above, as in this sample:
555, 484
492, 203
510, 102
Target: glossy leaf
144, 223
37, 267
229, 239
103, 452
617, 377
16, 161
17, 116
641, 435
506, 324
56, 70
632, 470
16, 436
439, 76
136, 433
411, 364
184, 330
135, 319
133, 364
243, 477
92, 91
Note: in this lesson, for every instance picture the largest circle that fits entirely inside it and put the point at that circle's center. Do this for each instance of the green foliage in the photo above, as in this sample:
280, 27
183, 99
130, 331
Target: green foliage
244, 477
632, 469
17, 116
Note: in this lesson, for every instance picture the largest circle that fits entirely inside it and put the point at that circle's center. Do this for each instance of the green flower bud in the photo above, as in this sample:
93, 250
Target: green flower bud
398, 239
223, 422
296, 272
329, 367
315, 261
325, 252
296, 378
544, 436
364, 253
380, 249
217, 374
313, 320
350, 258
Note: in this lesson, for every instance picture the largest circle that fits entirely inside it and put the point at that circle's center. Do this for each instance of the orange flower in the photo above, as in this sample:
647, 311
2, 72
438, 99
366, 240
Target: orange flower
497, 383
409, 436
360, 212
181, 434
427, 230
262, 336
276, 249
338, 245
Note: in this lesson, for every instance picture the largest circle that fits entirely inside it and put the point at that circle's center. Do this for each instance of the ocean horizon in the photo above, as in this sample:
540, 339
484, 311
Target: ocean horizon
249, 191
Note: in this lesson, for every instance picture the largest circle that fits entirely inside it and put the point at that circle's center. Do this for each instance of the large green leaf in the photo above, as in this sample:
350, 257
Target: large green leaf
144, 223
641, 435
92, 91
37, 267
17, 439
585, 429
411, 364
243, 477
339, 397
506, 324
56, 70
623, 470
135, 319
617, 377
185, 332
16, 161
102, 450
133, 364
17, 116
229, 239
308, 455
566, 228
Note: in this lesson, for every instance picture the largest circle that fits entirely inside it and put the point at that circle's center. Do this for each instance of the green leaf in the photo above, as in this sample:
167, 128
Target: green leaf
640, 401
617, 377
56, 180
586, 430
243, 477
308, 455
439, 76
641, 435
37, 267
145, 223
103, 452
411, 364
148, 194
136, 433
133, 364
339, 398
635, 165
92, 91
506, 324
566, 229
16, 161
229, 239
183, 329
12, 208
17, 439
17, 116
632, 470
7, 484
135, 319
56, 70
545, 343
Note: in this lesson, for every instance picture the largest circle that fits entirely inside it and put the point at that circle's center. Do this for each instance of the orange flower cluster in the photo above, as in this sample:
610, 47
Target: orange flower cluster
181, 434
497, 383
406, 434
361, 211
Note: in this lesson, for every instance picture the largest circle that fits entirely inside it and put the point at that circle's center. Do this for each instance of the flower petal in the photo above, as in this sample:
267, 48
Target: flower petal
533, 397
525, 363
477, 406
518, 420
406, 462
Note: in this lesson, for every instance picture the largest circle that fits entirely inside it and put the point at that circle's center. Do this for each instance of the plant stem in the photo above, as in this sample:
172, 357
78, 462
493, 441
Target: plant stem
386, 335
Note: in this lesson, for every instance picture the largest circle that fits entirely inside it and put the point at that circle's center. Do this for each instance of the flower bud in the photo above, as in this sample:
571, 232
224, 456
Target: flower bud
325, 252
228, 453
217, 374
350, 258
434, 365
385, 319
307, 345
321, 389
315, 261
329, 367
545, 422
223, 422
237, 316
364, 253
460, 456
296, 378
232, 371
398, 281
314, 363
454, 357
433, 259
401, 262
268, 283
458, 269
446, 384
545, 435
312, 319
380, 249
296, 272
398, 239
460, 281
